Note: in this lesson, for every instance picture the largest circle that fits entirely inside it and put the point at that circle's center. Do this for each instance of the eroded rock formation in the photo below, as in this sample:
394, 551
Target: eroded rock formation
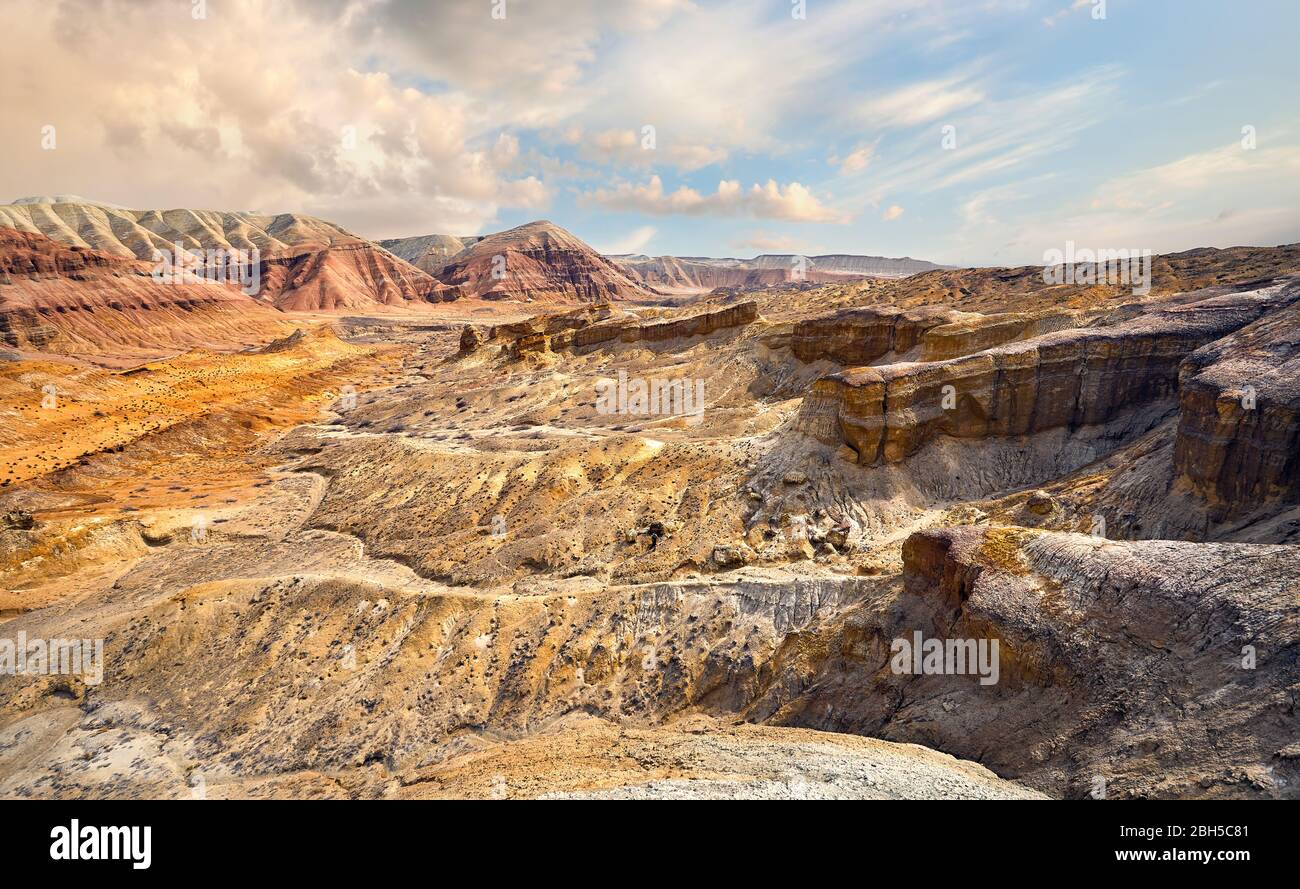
305, 263
1071, 378
587, 328
1238, 440
1121, 667
78, 301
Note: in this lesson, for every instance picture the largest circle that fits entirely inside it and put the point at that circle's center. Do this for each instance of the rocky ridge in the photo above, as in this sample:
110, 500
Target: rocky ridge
77, 301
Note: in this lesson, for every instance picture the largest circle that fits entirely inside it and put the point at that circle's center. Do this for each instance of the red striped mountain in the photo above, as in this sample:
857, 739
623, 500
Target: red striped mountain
308, 264
538, 262
77, 301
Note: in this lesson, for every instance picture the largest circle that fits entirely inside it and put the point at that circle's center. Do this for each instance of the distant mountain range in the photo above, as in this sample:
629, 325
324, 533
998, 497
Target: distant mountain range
308, 264
311, 264
567, 259
697, 273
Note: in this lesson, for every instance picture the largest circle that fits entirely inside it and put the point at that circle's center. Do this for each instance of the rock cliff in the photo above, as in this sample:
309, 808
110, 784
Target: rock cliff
1070, 378
1238, 439
1120, 668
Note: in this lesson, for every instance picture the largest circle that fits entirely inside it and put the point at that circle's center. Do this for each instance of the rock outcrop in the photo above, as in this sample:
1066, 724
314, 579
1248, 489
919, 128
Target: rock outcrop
862, 336
470, 339
855, 337
1238, 440
1068, 379
590, 328
975, 333
555, 322
1120, 669
662, 329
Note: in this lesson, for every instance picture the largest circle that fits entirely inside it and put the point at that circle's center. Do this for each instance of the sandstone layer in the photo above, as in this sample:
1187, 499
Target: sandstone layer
602, 325
305, 263
1238, 440
81, 302
1071, 378
1121, 667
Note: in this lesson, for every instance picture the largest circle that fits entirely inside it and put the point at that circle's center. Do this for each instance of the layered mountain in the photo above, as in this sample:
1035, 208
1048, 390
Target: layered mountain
698, 273
432, 253
88, 303
307, 263
538, 262
345, 277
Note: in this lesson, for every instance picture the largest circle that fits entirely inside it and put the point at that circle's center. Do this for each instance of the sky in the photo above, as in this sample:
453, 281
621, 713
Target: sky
971, 132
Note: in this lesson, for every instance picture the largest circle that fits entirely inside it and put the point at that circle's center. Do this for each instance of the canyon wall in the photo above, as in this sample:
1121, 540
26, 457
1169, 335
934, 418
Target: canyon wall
1177, 709
1070, 378
1238, 440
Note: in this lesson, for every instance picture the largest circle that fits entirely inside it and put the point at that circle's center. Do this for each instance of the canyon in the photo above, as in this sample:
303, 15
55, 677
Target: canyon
369, 533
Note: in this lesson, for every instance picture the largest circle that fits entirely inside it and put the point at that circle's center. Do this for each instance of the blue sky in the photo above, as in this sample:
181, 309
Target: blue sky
1157, 83
771, 133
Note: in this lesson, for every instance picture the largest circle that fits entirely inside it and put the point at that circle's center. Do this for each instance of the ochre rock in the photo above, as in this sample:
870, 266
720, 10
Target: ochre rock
1070, 378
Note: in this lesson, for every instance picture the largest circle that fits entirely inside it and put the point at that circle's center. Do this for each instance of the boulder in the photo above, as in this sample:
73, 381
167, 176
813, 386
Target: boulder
471, 338
732, 556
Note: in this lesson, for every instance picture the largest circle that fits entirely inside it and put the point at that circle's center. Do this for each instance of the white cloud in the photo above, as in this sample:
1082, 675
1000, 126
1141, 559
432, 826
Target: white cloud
225, 112
1224, 171
766, 242
893, 212
1220, 197
855, 161
792, 202
993, 139
918, 103
634, 148
634, 242
1051, 20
